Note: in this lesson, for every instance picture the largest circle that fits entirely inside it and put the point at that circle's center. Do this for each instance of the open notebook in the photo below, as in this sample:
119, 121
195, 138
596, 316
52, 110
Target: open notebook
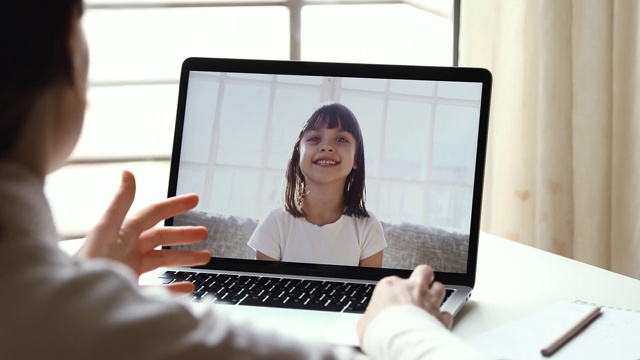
424, 133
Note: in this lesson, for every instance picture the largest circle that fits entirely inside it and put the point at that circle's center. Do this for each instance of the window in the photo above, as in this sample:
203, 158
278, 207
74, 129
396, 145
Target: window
136, 49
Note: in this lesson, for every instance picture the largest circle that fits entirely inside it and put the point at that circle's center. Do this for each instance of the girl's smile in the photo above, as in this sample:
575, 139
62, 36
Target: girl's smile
326, 162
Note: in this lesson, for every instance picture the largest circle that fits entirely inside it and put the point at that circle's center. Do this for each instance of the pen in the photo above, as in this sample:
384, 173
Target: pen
574, 330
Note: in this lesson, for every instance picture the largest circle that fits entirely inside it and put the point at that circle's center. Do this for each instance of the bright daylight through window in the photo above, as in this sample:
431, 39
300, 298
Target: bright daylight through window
136, 48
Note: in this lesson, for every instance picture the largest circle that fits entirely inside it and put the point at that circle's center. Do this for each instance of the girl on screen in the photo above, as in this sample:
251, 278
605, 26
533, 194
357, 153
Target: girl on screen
324, 219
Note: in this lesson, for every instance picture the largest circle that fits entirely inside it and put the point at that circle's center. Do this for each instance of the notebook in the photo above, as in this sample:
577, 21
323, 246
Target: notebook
423, 135
612, 335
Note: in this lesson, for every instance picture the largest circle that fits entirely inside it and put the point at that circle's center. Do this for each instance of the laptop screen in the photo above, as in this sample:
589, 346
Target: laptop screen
241, 147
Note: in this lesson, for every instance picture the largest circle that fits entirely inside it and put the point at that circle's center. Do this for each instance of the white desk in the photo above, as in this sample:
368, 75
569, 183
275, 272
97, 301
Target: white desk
514, 280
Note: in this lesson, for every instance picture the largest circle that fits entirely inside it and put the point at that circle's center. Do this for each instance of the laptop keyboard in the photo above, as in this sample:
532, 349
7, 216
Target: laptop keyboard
234, 289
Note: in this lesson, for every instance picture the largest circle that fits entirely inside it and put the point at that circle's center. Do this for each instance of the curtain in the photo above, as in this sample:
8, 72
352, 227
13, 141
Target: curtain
563, 160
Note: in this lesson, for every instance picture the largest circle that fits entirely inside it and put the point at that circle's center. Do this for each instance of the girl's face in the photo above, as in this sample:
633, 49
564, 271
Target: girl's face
327, 155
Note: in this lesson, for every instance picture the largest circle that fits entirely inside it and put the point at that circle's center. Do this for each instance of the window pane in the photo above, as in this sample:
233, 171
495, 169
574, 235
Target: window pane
142, 44
79, 194
456, 90
420, 88
271, 195
364, 84
307, 80
128, 121
405, 153
380, 33
199, 117
242, 124
234, 191
454, 151
450, 208
193, 178
402, 203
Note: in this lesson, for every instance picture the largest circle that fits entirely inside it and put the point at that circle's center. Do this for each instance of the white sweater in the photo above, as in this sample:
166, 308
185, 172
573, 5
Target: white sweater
54, 306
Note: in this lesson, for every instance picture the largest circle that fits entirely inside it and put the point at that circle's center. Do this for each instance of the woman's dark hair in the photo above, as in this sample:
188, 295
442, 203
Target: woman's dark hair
35, 38
333, 115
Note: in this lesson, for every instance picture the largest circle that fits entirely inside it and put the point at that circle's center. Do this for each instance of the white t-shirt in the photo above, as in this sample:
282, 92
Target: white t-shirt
345, 242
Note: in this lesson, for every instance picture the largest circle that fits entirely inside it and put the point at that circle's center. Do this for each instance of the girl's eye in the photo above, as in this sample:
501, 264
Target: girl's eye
343, 139
313, 138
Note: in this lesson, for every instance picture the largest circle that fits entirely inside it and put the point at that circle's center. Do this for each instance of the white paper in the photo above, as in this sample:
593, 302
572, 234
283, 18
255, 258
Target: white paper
615, 334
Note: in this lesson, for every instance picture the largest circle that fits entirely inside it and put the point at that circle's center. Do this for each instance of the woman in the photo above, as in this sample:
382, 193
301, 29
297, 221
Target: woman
91, 307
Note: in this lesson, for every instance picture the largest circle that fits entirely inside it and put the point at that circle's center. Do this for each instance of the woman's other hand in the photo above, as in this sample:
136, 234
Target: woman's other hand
419, 289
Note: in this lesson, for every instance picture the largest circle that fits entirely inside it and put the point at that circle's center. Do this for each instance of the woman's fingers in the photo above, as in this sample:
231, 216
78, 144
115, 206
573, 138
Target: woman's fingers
115, 214
422, 273
420, 280
430, 293
437, 293
170, 236
101, 240
151, 215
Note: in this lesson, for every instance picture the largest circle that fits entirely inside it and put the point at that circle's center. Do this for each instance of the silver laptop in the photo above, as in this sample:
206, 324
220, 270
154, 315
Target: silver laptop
424, 131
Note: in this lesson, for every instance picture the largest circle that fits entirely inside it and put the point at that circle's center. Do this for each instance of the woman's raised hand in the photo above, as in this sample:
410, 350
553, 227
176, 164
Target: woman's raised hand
133, 239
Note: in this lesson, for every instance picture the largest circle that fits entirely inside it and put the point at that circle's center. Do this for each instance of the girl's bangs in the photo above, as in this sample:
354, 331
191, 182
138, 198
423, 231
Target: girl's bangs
331, 120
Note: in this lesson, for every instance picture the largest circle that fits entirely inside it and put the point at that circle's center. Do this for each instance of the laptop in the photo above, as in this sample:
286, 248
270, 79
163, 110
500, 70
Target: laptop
424, 131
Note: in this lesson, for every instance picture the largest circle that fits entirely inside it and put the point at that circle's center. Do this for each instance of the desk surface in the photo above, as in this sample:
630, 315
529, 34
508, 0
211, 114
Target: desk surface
514, 280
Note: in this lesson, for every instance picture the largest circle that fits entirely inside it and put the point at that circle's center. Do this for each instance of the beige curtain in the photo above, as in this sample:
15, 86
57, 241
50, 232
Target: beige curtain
563, 161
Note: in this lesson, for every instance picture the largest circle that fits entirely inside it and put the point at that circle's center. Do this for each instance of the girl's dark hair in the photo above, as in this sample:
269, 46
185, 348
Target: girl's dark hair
35, 38
333, 115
